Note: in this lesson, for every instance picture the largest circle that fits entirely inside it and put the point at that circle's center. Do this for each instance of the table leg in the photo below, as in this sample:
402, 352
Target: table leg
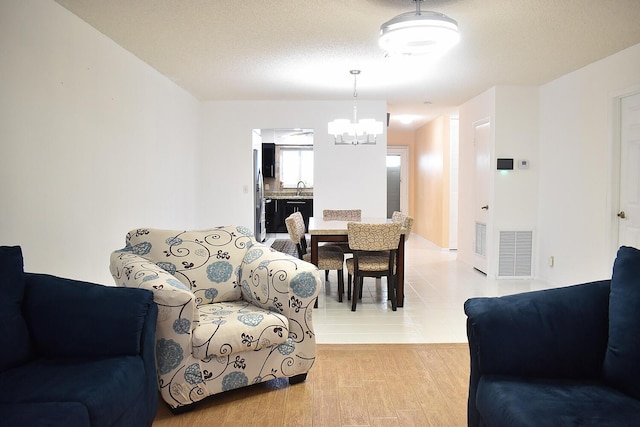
314, 250
400, 288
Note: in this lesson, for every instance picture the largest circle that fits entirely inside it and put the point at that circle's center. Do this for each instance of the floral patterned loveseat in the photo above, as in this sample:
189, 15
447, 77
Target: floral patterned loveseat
232, 312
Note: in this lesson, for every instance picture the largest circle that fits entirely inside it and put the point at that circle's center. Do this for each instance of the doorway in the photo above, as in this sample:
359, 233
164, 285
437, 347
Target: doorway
629, 195
397, 180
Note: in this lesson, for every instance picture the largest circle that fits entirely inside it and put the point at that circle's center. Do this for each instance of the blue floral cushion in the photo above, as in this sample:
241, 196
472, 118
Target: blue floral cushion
13, 328
621, 367
246, 328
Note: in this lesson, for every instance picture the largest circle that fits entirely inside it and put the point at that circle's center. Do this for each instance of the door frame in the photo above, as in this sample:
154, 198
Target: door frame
403, 151
613, 205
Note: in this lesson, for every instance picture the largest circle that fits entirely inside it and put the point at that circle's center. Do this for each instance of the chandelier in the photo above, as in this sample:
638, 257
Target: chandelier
355, 132
418, 33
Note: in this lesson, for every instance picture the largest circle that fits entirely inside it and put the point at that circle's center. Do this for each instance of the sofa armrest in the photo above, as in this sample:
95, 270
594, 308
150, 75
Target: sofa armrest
71, 318
281, 283
177, 312
552, 333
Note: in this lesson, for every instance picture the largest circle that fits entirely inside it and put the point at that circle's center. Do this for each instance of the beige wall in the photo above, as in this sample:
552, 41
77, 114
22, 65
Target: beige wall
428, 177
432, 181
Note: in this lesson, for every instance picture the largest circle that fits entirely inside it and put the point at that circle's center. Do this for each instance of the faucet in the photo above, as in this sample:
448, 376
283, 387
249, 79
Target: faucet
298, 189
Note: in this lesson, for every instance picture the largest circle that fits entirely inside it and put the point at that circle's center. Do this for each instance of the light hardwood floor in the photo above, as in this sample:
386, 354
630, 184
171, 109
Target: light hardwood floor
349, 385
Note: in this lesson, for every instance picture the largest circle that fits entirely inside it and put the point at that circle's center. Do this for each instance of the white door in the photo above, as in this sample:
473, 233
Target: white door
629, 215
482, 141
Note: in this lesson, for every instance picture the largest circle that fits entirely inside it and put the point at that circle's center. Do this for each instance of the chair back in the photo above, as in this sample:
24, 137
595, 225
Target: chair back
374, 237
406, 220
397, 216
296, 236
205, 261
342, 214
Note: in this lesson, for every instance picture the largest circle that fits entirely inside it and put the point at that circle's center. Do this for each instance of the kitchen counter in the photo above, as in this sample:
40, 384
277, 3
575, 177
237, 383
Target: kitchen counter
280, 195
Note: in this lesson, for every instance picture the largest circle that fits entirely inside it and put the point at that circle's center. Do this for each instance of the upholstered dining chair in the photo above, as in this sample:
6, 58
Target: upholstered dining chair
406, 220
328, 258
341, 215
375, 254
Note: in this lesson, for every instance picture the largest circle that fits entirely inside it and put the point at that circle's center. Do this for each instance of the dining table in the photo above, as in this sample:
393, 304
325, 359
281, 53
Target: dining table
336, 231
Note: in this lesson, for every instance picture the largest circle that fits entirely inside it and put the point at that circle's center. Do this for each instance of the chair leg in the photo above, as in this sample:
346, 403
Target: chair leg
391, 291
297, 379
326, 275
354, 296
357, 291
340, 274
349, 287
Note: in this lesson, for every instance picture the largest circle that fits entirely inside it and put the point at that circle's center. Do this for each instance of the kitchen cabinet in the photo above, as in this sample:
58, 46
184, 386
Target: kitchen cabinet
304, 206
279, 209
269, 160
269, 215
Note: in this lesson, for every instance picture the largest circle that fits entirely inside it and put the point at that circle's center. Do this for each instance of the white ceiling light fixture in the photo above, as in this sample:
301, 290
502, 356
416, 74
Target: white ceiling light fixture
419, 33
355, 132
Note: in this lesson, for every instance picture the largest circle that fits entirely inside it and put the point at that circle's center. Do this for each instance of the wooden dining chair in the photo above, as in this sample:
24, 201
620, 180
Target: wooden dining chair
375, 254
328, 258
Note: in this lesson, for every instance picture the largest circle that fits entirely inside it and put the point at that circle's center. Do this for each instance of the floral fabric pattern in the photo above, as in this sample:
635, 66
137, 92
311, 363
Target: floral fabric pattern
203, 260
342, 214
234, 327
231, 312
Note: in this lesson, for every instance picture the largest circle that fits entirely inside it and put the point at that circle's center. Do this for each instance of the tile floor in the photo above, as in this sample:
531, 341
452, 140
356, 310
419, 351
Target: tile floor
436, 287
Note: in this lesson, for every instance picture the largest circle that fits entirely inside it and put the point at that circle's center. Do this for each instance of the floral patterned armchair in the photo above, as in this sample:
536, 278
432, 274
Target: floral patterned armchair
232, 312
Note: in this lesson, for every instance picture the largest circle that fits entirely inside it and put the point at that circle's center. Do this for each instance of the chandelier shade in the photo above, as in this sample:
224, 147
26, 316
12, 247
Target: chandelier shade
355, 132
419, 33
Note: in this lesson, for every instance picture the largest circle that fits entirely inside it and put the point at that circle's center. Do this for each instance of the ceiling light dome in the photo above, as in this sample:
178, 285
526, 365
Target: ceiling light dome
418, 33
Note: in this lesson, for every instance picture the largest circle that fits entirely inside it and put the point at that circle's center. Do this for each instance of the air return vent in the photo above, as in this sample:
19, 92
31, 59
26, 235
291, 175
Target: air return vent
516, 248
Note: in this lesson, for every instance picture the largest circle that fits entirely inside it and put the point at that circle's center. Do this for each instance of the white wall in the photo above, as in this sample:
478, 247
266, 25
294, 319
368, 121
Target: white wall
513, 198
570, 142
576, 215
94, 143
516, 136
345, 176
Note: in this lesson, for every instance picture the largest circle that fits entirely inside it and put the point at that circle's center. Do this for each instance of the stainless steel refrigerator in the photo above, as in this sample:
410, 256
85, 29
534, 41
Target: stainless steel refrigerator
260, 220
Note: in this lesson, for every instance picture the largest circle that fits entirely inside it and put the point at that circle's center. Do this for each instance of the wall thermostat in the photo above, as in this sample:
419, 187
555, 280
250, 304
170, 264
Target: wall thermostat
505, 164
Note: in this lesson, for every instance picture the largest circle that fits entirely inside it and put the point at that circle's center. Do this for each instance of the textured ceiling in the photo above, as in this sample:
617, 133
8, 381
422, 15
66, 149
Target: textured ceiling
303, 49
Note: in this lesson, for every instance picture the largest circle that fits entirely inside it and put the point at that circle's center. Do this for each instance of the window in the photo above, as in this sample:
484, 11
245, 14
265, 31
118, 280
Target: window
296, 164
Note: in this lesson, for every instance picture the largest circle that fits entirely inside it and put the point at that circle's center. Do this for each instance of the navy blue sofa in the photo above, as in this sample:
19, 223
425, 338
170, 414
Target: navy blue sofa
560, 357
74, 353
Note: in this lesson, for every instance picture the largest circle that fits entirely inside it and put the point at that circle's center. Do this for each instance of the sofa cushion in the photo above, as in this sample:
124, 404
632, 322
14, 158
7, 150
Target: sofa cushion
246, 328
106, 387
16, 348
44, 414
206, 261
621, 367
515, 401
58, 310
